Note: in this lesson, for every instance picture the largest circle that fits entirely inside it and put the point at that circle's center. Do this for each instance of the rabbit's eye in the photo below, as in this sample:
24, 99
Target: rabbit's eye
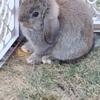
35, 14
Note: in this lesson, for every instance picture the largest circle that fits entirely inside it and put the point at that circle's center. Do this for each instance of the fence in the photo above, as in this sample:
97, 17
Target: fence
9, 26
95, 6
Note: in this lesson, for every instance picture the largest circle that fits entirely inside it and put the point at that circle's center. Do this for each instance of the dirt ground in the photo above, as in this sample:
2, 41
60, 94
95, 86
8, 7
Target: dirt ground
79, 81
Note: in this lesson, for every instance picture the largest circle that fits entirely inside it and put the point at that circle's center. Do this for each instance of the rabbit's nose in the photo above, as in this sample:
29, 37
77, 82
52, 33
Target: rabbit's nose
23, 18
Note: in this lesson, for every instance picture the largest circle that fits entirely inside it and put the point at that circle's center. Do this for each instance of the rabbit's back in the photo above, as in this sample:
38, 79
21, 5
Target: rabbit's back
73, 8
76, 30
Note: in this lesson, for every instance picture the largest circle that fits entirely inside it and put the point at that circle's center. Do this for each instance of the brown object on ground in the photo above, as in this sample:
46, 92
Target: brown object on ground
19, 52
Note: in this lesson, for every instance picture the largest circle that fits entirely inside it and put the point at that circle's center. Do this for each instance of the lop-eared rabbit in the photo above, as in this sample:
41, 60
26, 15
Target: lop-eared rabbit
56, 29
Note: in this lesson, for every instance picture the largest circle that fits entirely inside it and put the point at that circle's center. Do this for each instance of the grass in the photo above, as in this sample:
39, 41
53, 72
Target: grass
98, 3
80, 81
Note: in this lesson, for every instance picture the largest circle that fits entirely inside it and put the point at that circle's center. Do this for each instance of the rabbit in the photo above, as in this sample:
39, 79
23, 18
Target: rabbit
56, 29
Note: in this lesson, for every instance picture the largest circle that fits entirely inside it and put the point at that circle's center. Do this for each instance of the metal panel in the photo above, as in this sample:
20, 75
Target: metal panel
95, 6
9, 25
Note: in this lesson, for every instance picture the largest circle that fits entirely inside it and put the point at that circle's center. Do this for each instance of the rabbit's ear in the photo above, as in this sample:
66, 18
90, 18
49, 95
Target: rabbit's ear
51, 30
51, 22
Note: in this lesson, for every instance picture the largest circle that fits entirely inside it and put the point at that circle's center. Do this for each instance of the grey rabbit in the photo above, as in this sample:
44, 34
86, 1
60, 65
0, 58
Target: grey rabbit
56, 29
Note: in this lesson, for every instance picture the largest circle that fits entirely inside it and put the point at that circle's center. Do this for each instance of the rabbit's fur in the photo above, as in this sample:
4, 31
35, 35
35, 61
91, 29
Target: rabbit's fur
56, 29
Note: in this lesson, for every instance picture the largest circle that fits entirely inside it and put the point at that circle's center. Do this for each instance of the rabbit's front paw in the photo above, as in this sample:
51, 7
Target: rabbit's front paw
46, 60
27, 48
49, 60
34, 59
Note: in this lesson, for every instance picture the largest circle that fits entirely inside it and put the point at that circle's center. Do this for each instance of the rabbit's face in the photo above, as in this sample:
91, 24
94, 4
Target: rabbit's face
32, 13
41, 16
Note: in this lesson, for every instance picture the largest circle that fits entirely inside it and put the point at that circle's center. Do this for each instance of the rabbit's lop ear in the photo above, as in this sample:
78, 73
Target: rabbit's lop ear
51, 22
51, 30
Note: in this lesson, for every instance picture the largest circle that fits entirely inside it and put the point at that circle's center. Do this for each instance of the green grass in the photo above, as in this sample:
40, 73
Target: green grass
80, 81
98, 3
